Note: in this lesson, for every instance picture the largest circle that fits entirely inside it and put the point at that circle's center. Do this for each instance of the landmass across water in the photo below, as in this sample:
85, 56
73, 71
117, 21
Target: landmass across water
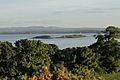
64, 36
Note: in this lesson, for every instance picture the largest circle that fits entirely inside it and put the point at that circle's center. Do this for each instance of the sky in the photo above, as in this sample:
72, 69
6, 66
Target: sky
61, 13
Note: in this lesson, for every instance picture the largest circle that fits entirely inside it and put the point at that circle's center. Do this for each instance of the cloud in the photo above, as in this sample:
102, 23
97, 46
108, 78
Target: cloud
87, 11
102, 10
58, 10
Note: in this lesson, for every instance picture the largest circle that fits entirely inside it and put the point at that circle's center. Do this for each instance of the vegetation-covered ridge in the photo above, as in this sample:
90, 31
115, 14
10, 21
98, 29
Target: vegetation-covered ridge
43, 37
72, 36
64, 36
35, 60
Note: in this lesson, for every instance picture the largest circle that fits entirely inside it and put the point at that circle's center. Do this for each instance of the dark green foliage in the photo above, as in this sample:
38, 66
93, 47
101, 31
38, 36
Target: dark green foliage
25, 57
79, 59
109, 49
53, 50
86, 57
33, 52
112, 32
7, 65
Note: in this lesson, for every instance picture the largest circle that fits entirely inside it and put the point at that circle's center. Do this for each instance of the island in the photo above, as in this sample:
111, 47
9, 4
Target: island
72, 36
43, 37
64, 36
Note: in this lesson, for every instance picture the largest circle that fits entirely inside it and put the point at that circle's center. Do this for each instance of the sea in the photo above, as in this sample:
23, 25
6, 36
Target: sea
62, 43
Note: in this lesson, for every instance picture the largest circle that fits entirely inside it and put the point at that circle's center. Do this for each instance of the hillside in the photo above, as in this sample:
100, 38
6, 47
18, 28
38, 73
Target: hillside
43, 30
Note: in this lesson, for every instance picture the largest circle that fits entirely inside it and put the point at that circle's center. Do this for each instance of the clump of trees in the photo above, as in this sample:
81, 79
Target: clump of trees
28, 56
108, 48
24, 58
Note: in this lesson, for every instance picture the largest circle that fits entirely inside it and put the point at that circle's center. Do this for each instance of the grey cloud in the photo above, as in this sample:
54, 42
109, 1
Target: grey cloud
101, 10
85, 11
58, 12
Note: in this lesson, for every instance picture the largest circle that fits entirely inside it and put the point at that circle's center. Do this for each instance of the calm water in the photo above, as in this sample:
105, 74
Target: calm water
62, 43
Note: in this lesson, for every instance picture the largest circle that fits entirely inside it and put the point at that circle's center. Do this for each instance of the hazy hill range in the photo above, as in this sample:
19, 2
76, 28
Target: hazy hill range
43, 30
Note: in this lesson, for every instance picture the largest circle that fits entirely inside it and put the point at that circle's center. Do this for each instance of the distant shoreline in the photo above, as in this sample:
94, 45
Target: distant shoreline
48, 30
49, 33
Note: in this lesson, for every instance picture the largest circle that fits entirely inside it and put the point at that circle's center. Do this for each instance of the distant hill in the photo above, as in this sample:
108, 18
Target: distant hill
43, 30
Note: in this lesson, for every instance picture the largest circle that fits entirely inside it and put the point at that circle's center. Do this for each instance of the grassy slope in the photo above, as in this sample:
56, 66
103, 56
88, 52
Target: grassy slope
113, 76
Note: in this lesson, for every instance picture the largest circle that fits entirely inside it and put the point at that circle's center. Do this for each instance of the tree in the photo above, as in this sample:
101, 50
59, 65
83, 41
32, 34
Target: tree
112, 32
7, 65
31, 54
109, 49
87, 58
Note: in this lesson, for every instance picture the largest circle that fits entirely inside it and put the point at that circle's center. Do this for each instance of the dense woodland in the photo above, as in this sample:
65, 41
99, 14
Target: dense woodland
35, 60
